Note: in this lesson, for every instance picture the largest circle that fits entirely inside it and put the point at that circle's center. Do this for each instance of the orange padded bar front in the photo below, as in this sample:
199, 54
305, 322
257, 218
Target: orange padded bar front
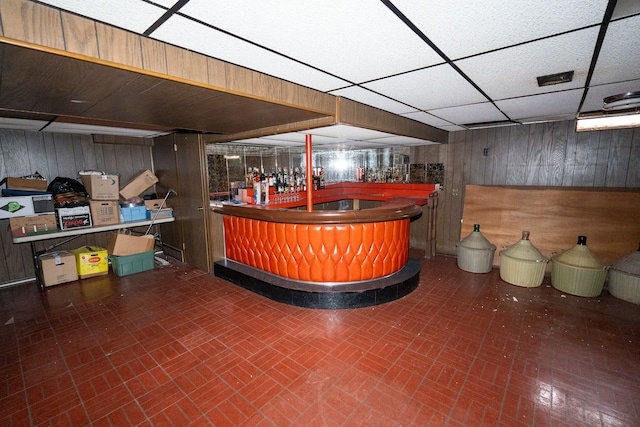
319, 252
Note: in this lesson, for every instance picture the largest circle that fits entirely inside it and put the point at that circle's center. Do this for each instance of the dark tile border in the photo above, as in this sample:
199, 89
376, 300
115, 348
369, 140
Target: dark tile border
317, 295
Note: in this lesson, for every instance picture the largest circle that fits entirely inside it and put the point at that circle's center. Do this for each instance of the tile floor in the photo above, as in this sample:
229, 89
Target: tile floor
175, 346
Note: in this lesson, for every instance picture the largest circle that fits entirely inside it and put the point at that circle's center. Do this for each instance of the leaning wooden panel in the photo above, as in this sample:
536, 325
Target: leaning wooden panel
555, 217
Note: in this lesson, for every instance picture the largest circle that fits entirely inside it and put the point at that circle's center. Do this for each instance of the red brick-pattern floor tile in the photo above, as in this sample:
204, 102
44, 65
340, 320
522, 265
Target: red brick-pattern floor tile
176, 346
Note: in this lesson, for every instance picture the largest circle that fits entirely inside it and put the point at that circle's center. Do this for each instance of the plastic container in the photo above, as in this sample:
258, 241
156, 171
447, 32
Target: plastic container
475, 252
578, 271
624, 278
135, 213
522, 264
131, 264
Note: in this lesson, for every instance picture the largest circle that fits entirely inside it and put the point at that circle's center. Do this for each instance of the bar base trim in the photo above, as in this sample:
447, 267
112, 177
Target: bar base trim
315, 295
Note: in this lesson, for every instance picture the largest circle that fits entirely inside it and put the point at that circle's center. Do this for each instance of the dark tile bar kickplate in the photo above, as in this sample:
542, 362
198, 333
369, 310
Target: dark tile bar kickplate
318, 295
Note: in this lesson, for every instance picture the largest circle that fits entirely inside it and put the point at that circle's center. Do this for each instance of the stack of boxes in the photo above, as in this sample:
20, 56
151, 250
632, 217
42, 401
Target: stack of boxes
34, 213
29, 215
28, 206
132, 190
133, 254
103, 195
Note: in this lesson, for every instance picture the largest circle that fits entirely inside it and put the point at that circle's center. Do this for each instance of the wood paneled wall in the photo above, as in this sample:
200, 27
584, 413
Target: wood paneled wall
542, 155
52, 155
549, 154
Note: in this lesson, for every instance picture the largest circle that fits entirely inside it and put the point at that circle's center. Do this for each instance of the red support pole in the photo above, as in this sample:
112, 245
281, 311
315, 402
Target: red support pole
309, 173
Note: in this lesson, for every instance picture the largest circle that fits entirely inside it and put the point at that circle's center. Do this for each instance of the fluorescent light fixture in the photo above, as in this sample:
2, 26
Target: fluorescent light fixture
607, 122
485, 125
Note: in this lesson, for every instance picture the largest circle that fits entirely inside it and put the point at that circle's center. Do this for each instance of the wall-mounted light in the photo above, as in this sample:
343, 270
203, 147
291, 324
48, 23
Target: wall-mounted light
620, 112
607, 121
486, 125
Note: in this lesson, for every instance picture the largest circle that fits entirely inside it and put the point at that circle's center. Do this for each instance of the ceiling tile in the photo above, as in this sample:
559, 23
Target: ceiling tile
339, 36
346, 133
434, 87
359, 94
512, 72
619, 57
451, 128
300, 137
166, 3
132, 15
184, 32
336, 135
264, 142
398, 140
559, 105
461, 27
476, 113
427, 118
626, 8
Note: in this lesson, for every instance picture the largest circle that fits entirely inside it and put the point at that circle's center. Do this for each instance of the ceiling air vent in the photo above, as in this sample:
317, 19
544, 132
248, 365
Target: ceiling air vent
554, 79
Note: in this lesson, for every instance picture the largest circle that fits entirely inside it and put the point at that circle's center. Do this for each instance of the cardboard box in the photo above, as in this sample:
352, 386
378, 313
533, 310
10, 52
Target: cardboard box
16, 206
58, 267
136, 213
131, 264
155, 204
102, 187
73, 217
25, 184
125, 244
104, 212
91, 261
34, 224
11, 207
43, 204
138, 185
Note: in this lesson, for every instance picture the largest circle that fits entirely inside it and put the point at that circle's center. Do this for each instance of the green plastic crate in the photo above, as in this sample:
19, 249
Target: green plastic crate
131, 264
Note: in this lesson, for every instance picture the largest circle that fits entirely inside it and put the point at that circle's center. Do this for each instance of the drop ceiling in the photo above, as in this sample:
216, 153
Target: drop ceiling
451, 64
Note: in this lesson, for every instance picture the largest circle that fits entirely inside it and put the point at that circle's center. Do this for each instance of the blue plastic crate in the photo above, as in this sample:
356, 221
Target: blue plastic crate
136, 213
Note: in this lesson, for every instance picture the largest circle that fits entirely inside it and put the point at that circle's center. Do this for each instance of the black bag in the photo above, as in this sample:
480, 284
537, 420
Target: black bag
67, 192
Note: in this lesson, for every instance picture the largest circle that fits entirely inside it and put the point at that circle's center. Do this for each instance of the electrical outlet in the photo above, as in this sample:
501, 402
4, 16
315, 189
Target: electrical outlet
455, 192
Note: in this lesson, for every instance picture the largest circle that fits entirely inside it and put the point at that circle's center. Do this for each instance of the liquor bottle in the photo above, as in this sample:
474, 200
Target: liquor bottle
257, 198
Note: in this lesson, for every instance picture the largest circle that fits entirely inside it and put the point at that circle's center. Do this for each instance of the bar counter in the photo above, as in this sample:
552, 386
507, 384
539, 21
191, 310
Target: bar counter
326, 258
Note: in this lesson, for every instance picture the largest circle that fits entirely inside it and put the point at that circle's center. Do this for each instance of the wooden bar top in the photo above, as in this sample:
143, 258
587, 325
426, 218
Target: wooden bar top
399, 201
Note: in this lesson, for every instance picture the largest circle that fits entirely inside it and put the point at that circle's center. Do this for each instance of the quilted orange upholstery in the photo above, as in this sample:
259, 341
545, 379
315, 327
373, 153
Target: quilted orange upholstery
319, 253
